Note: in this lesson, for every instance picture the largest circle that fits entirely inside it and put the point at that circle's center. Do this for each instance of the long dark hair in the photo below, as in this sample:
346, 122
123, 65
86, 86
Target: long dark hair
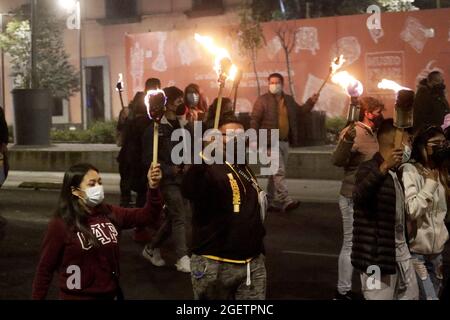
421, 140
419, 151
69, 208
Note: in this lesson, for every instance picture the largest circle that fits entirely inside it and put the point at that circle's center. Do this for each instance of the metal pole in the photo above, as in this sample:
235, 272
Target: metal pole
2, 58
33, 45
438, 4
80, 42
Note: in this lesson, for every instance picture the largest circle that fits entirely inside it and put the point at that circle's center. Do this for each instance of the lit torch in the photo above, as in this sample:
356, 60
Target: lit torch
354, 88
403, 111
335, 65
223, 66
119, 88
155, 101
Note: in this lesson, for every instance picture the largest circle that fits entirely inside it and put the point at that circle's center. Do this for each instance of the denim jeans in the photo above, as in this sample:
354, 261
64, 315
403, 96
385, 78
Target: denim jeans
277, 190
399, 286
345, 268
429, 275
175, 223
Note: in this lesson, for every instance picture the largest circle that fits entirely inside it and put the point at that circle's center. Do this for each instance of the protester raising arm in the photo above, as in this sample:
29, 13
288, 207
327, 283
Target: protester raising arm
342, 154
127, 218
369, 177
308, 105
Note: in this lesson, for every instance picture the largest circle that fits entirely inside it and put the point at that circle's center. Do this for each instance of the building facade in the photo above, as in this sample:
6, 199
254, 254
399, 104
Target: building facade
104, 25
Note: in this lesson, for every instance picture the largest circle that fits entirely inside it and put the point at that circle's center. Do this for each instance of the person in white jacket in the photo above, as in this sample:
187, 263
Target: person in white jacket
426, 196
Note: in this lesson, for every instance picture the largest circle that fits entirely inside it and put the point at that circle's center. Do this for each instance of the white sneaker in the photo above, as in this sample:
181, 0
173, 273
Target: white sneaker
154, 256
184, 264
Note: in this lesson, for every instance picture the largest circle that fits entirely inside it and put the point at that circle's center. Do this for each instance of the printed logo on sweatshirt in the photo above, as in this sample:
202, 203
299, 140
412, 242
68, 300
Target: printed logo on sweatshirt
104, 232
236, 193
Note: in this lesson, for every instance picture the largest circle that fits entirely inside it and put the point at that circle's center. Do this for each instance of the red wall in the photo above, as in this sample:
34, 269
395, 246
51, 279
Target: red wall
403, 54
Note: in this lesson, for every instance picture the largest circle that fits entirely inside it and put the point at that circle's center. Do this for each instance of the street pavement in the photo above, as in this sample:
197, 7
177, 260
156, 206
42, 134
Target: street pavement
302, 250
320, 191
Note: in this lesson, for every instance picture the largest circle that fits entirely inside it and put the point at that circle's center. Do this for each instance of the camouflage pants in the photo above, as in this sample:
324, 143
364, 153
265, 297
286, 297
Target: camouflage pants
214, 280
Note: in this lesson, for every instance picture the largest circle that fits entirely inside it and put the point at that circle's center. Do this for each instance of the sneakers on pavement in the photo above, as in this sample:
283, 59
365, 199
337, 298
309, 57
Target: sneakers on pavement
154, 256
184, 264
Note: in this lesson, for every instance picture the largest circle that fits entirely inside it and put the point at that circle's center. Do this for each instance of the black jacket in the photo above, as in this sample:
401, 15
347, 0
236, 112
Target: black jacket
131, 151
165, 146
429, 108
374, 218
226, 219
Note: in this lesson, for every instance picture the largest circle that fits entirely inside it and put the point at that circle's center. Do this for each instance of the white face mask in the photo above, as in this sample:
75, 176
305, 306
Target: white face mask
193, 99
94, 196
275, 88
406, 153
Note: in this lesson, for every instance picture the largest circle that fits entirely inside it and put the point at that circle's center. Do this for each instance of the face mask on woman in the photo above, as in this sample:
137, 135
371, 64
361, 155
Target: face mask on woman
406, 153
94, 196
193, 99
377, 121
440, 153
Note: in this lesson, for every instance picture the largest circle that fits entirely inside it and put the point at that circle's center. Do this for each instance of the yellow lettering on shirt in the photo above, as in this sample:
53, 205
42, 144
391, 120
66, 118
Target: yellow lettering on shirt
236, 193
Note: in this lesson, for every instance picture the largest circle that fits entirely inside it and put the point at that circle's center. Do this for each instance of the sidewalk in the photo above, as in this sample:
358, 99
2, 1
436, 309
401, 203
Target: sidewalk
319, 191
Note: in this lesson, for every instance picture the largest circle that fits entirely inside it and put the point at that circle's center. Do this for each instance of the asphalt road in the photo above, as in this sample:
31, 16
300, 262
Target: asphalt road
302, 251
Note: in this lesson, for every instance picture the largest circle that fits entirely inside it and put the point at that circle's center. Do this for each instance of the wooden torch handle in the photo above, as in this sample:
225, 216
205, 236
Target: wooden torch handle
155, 142
219, 107
398, 138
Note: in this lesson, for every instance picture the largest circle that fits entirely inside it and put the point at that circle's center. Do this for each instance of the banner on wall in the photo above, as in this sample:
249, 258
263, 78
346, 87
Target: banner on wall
405, 49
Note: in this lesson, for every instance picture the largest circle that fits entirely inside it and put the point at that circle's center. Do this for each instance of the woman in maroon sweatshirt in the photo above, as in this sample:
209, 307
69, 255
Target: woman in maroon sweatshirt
81, 243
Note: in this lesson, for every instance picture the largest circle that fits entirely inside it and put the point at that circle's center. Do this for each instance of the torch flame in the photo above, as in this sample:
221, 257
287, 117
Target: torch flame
391, 85
220, 54
119, 86
337, 63
349, 83
233, 72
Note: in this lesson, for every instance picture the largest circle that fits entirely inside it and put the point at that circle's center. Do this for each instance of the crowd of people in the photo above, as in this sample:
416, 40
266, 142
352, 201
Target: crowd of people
394, 201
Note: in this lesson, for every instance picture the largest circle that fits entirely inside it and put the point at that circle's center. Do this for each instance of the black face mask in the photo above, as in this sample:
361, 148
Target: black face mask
440, 154
180, 109
377, 121
438, 88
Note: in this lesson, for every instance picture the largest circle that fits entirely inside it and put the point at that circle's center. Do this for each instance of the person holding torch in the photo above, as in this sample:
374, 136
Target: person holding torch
357, 143
379, 246
157, 146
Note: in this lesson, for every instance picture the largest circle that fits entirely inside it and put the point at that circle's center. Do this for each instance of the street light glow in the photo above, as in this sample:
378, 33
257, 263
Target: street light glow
67, 4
